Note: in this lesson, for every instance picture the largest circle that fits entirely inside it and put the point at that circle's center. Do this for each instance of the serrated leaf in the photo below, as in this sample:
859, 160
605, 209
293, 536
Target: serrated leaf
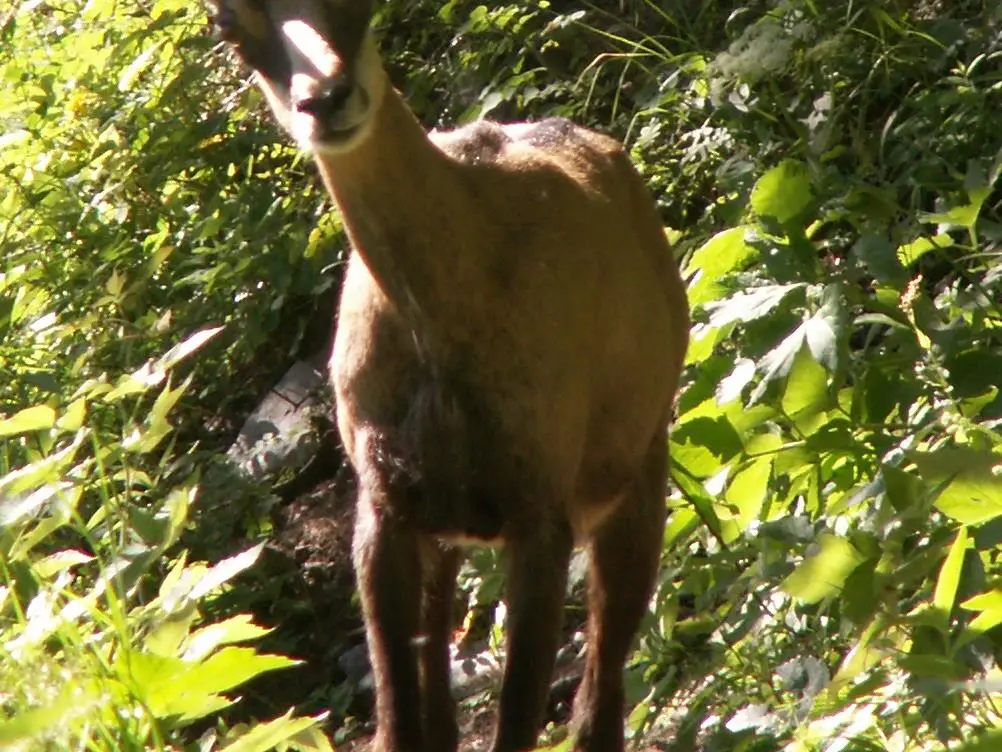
784, 192
239, 628
36, 418
733, 384
266, 736
823, 574
231, 667
820, 335
166, 400
748, 305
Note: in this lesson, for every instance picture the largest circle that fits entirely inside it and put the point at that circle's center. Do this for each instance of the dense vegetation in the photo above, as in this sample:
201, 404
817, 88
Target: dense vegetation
828, 174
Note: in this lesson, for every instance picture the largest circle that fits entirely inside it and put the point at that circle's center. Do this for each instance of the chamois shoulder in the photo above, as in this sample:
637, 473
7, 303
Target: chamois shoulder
554, 140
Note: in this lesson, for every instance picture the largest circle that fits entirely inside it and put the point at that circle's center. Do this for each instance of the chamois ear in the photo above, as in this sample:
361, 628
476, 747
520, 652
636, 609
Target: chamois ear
223, 20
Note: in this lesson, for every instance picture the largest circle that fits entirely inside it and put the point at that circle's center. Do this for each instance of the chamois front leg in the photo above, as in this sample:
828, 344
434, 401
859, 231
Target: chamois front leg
537, 580
438, 709
388, 569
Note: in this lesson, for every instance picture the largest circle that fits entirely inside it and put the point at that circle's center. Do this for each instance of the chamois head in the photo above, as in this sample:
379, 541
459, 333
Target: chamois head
315, 62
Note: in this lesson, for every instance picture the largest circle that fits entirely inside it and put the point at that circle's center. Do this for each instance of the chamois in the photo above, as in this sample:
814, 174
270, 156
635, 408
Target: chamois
508, 345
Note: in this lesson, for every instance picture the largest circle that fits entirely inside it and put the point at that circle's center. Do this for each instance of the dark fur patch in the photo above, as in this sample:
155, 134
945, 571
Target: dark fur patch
437, 464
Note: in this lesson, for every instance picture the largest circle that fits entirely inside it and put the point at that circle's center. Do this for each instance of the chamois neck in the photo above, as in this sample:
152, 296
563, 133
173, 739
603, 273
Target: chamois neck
399, 198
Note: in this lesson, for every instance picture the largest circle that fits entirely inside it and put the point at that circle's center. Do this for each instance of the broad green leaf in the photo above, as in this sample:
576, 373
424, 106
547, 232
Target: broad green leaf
784, 192
909, 253
166, 400
965, 215
747, 492
37, 418
748, 305
821, 335
703, 445
972, 406
266, 736
806, 395
969, 481
822, 575
725, 252
945, 594
231, 667
73, 416
239, 628
167, 634
880, 258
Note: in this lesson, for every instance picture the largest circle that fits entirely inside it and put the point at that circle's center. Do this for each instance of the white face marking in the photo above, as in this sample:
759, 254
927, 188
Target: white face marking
312, 46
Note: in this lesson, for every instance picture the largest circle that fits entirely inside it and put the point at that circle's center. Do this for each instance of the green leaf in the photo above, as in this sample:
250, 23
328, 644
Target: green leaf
902, 489
266, 736
970, 486
725, 252
747, 492
822, 575
806, 395
945, 594
239, 628
990, 607
877, 253
40, 723
909, 253
748, 305
137, 66
987, 742
784, 192
37, 418
231, 667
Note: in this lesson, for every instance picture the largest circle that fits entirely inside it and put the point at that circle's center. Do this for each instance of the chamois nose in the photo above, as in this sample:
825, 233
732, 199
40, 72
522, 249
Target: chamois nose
327, 101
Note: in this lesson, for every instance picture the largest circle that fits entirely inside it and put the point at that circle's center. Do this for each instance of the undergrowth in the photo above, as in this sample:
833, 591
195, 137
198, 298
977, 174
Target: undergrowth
828, 174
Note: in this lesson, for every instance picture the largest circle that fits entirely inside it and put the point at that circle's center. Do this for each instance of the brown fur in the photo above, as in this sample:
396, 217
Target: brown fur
509, 341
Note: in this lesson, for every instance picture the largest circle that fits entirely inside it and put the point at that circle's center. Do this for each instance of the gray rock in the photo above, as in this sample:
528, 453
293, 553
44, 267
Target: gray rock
281, 432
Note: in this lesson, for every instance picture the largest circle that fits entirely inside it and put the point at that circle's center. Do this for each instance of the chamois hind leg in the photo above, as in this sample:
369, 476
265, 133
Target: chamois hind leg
438, 710
388, 569
537, 580
623, 565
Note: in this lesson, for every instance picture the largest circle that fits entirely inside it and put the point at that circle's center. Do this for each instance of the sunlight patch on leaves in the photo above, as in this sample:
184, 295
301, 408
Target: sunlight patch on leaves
822, 574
